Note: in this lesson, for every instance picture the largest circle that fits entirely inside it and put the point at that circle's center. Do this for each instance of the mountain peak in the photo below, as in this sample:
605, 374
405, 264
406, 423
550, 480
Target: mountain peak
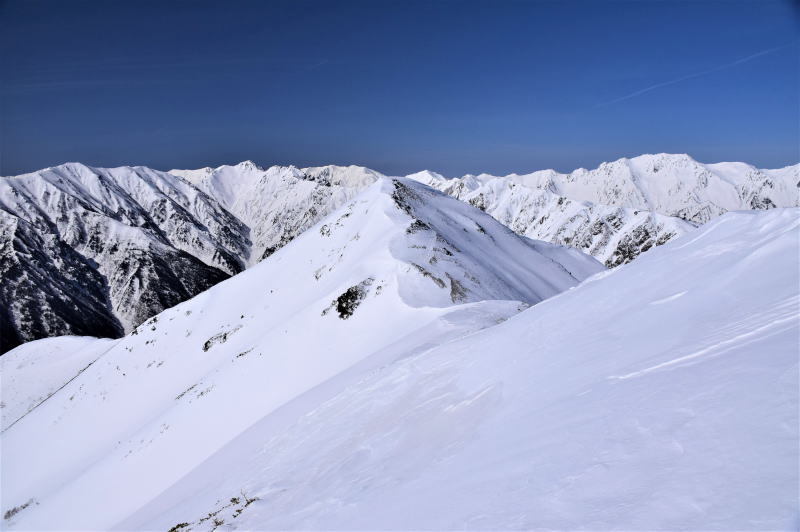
427, 177
248, 165
449, 240
345, 176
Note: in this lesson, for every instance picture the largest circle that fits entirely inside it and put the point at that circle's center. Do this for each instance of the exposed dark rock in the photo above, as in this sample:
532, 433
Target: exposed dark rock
347, 303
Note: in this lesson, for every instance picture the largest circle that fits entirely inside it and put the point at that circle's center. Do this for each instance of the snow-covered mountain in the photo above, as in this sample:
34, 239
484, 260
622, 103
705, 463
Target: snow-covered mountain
614, 235
349, 382
393, 272
98, 251
625, 207
662, 395
279, 203
674, 185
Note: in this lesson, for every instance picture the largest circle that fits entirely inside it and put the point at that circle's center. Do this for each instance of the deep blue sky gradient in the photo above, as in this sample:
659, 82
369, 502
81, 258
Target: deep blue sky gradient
453, 86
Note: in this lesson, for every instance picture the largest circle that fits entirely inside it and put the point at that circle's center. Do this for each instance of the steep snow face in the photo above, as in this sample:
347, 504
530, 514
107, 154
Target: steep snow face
614, 235
280, 202
97, 251
661, 395
393, 272
625, 207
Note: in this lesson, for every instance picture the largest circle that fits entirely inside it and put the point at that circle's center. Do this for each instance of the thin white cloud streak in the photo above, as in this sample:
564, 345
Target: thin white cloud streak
695, 75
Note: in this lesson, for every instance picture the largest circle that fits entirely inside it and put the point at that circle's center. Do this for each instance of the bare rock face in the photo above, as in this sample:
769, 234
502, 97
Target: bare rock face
48, 288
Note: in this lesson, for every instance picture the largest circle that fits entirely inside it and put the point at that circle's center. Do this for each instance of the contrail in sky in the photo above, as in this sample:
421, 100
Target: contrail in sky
695, 75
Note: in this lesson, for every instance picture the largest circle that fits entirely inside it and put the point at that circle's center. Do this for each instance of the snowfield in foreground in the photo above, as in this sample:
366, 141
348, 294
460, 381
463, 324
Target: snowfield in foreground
659, 395
396, 271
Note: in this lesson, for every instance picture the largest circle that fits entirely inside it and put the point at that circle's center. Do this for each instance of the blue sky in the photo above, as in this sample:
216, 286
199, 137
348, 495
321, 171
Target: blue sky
451, 86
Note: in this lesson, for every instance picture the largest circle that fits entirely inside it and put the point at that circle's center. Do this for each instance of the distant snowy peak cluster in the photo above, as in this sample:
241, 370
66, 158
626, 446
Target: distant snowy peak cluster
669, 184
280, 202
95, 251
625, 207
613, 235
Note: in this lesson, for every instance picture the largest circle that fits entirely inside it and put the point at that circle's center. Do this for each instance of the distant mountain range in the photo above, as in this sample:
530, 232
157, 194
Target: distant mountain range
94, 251
625, 207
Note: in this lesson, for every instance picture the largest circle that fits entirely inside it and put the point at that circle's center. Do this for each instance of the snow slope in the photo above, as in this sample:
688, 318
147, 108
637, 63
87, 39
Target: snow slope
35, 371
661, 395
395, 271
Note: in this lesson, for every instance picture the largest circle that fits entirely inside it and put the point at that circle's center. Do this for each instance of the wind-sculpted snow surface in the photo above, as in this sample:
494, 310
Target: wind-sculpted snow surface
397, 270
661, 395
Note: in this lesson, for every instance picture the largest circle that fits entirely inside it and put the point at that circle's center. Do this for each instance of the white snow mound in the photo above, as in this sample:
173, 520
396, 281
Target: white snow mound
662, 395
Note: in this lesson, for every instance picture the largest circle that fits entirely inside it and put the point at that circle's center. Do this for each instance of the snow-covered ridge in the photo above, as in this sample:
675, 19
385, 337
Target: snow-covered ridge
280, 202
394, 271
339, 385
624, 207
669, 184
614, 235
668, 386
672, 399
97, 251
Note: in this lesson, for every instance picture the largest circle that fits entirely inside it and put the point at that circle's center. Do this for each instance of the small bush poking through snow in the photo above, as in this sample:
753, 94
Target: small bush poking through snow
16, 509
